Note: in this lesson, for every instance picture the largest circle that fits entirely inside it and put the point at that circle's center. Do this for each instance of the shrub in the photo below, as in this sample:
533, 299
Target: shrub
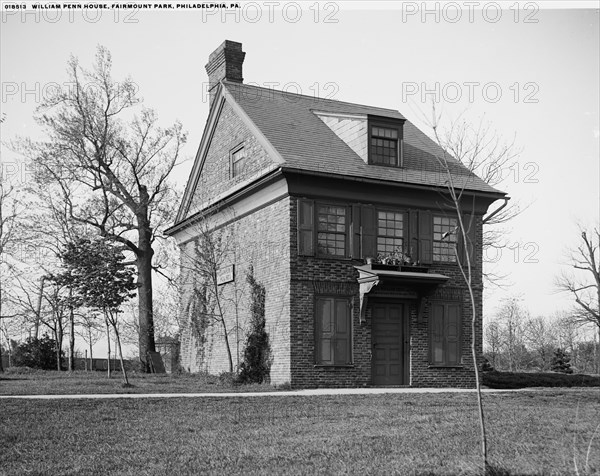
227, 379
36, 353
499, 380
486, 366
255, 367
561, 362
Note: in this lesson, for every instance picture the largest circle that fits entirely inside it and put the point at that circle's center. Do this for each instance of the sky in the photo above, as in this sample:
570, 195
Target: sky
532, 75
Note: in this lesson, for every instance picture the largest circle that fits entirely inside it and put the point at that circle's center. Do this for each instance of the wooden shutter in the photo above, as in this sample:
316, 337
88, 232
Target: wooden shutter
369, 231
452, 333
306, 233
324, 335
436, 334
425, 237
413, 235
355, 232
342, 332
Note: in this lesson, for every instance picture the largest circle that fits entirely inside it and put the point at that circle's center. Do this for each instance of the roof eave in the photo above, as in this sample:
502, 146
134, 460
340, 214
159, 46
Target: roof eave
496, 195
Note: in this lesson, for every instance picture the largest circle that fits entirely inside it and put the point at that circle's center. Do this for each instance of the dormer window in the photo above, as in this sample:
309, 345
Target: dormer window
385, 143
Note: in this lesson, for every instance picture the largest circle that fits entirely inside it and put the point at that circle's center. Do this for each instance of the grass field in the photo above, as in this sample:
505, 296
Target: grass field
20, 381
532, 432
39, 382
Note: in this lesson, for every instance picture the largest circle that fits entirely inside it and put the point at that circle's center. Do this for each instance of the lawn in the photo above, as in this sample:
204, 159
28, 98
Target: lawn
18, 381
530, 432
39, 382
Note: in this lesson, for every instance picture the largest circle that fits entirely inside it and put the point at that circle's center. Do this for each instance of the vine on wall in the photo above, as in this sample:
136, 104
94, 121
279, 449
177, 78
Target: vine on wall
256, 364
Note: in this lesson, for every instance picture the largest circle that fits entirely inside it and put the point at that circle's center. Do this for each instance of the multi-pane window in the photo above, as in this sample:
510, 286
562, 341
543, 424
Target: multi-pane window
238, 161
444, 238
390, 232
333, 342
384, 146
331, 230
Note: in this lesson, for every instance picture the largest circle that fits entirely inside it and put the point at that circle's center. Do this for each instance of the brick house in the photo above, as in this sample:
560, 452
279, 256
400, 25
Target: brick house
342, 211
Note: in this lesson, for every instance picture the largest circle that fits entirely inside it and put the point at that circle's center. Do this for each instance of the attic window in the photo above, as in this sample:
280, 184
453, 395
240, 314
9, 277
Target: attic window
385, 144
238, 161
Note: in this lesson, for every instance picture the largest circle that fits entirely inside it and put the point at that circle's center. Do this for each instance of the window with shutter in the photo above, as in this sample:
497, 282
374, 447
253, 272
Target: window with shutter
323, 229
445, 334
333, 338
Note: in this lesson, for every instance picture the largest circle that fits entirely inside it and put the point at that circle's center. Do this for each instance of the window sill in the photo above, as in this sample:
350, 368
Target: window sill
333, 367
445, 366
331, 258
386, 165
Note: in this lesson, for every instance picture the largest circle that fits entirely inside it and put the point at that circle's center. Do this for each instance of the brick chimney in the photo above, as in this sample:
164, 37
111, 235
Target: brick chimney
224, 63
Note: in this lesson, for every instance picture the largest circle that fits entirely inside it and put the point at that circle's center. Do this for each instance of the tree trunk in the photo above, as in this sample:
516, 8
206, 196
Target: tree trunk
597, 350
108, 340
223, 323
1, 367
145, 315
71, 339
38, 310
125, 380
59, 341
91, 349
229, 356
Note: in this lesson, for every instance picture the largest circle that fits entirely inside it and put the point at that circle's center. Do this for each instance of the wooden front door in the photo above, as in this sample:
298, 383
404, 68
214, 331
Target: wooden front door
390, 343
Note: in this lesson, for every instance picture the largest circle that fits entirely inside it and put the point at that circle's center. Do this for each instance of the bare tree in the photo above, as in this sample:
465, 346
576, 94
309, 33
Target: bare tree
584, 283
90, 331
10, 208
110, 167
540, 338
493, 338
211, 250
512, 317
447, 159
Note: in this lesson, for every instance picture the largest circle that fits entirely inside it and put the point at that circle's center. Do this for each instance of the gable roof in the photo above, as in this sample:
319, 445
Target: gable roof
290, 129
304, 142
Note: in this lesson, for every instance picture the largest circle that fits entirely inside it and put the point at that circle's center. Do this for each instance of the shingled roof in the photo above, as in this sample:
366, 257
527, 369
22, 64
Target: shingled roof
304, 142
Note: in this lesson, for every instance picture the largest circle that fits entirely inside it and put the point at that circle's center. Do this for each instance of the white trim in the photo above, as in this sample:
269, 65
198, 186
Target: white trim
340, 115
194, 177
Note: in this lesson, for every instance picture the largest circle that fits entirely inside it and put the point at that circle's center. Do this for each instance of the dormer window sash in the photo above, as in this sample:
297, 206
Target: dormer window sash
386, 143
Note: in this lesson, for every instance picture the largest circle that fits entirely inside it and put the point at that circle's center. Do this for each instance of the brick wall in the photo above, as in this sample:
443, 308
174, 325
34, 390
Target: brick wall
312, 276
259, 239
